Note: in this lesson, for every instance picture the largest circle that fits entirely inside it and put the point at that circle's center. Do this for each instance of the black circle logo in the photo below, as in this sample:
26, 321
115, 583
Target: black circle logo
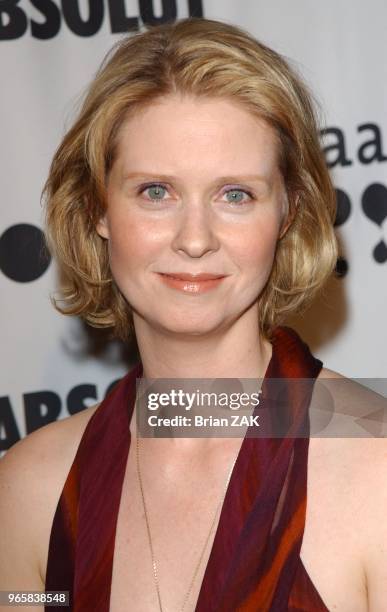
23, 253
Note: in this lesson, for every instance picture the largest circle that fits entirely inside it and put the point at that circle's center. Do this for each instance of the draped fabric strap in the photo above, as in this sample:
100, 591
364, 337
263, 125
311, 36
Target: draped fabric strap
254, 564
81, 547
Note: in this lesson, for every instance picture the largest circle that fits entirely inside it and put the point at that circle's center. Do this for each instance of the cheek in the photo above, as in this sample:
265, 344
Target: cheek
133, 243
124, 245
122, 251
255, 249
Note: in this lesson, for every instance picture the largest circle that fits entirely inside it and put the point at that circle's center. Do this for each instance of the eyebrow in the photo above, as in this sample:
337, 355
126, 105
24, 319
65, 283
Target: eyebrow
221, 179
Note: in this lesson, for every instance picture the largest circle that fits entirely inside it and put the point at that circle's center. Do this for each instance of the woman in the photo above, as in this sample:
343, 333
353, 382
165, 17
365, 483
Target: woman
190, 205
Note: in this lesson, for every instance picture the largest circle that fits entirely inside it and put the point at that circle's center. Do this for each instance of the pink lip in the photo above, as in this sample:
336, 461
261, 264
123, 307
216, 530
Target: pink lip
191, 283
192, 277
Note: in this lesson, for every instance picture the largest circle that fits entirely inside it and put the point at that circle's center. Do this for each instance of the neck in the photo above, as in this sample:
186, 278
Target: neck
236, 352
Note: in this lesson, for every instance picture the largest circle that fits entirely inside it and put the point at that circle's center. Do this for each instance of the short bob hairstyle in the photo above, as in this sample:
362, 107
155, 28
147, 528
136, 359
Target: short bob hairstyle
205, 58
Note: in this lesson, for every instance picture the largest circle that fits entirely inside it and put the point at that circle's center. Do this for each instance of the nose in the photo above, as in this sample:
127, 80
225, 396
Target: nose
195, 235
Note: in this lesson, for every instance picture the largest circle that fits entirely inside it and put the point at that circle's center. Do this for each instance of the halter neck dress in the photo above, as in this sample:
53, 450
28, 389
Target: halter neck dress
254, 564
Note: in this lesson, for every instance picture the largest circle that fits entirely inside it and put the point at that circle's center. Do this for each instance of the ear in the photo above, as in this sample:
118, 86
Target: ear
102, 227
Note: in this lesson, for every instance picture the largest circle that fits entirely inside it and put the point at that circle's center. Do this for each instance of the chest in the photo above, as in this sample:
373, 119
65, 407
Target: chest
182, 531
180, 528
330, 550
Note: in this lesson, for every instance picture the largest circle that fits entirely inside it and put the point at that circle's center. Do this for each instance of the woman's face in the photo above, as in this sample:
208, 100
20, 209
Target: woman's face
195, 189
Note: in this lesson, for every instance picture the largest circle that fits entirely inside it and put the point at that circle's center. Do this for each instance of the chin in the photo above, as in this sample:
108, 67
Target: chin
185, 329
180, 326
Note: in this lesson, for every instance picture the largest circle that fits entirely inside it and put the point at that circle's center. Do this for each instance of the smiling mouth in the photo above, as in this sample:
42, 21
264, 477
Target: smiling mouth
191, 283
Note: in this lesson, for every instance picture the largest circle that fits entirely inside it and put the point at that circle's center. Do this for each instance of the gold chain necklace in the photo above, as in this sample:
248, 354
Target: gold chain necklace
154, 564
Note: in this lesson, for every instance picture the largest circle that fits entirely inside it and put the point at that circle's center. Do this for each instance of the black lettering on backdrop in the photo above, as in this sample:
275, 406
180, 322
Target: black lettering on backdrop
34, 403
51, 26
169, 12
368, 152
338, 147
74, 20
195, 8
119, 22
13, 22
41, 408
374, 145
8, 425
77, 395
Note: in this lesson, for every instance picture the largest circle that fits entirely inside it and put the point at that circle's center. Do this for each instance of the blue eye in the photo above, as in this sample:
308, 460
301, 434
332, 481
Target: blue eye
156, 189
236, 195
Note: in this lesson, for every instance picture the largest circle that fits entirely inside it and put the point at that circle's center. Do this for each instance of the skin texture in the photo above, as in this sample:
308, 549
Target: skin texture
194, 226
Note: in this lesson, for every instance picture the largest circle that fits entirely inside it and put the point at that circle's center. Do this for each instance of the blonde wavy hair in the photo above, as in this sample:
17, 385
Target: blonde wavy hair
200, 57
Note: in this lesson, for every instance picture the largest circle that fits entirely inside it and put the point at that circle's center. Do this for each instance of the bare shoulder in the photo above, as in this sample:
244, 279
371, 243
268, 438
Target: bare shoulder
351, 476
366, 453
54, 436
46, 452
327, 373
371, 464
32, 475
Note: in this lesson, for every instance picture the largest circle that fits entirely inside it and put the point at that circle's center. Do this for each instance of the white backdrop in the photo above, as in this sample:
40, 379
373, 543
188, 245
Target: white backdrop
46, 60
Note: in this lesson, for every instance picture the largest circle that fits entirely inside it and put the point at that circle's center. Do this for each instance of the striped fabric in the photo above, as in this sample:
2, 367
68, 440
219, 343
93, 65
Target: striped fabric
254, 564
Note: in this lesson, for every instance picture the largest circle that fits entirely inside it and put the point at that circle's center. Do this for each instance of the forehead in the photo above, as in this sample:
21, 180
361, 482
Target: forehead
196, 131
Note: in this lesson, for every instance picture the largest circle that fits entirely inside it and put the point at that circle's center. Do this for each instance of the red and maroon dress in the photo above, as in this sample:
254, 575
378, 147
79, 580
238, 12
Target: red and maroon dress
255, 563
